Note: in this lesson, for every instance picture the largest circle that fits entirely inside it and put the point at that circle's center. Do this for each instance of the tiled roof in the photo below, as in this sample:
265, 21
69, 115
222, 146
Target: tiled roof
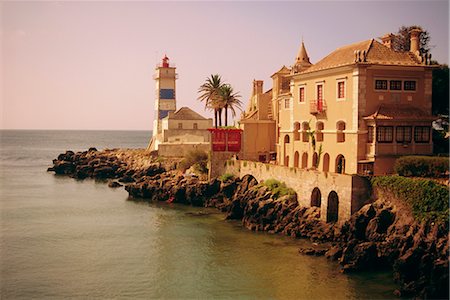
185, 113
399, 112
283, 69
376, 53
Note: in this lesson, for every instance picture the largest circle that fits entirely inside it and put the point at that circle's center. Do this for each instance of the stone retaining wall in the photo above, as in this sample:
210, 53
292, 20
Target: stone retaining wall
352, 191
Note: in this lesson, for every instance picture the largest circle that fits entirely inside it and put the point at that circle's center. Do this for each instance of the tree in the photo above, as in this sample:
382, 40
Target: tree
402, 42
440, 94
229, 100
209, 93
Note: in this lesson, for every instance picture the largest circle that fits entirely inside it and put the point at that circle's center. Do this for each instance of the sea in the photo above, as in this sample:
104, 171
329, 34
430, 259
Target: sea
79, 239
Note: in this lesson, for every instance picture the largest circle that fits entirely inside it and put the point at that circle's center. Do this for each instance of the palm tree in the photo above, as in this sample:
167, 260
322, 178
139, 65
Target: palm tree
209, 92
229, 100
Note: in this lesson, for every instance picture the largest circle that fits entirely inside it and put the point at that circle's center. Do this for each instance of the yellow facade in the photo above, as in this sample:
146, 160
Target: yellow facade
355, 111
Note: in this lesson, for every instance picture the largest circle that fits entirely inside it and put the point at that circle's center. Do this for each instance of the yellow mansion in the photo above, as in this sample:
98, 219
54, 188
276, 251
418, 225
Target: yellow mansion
355, 111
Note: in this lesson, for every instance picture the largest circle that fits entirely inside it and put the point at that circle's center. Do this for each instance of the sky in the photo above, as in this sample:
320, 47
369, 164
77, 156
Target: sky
89, 65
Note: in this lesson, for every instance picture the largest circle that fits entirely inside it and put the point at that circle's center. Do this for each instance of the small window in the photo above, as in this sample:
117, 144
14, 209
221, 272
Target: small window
287, 103
370, 131
409, 85
341, 89
395, 85
403, 134
302, 94
195, 126
422, 134
384, 134
180, 125
381, 84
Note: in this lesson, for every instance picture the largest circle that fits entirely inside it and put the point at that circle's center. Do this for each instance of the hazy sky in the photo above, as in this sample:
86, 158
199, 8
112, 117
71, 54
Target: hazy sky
89, 65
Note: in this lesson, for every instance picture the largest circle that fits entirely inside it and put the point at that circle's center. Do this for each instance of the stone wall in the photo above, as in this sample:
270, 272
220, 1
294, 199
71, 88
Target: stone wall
181, 149
218, 162
352, 190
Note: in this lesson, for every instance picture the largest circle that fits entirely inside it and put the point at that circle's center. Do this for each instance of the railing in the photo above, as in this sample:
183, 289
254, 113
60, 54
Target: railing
317, 106
157, 75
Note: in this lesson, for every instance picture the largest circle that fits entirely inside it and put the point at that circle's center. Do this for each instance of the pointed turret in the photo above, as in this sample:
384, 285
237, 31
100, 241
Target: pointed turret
302, 60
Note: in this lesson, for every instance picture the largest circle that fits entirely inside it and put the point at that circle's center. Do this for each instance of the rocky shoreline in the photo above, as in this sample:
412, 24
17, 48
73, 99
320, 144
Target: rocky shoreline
382, 235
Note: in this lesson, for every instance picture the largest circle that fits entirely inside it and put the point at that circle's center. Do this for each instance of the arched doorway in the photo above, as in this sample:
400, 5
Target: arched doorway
304, 160
316, 197
340, 164
333, 207
326, 162
296, 159
315, 160
286, 156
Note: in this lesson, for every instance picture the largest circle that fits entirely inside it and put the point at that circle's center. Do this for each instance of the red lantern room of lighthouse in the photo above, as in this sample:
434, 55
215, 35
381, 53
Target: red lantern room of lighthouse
165, 62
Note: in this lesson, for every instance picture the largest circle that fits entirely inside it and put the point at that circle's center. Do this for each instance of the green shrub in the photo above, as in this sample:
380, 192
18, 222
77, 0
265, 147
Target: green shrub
277, 188
226, 177
422, 166
196, 158
428, 200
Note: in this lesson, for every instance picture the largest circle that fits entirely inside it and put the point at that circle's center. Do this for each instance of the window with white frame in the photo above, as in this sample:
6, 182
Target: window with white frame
319, 91
421, 134
409, 85
340, 90
381, 84
301, 94
403, 134
287, 103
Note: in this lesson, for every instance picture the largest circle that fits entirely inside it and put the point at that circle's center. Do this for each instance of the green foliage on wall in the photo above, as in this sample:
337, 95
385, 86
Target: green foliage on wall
196, 158
422, 166
428, 200
277, 188
226, 177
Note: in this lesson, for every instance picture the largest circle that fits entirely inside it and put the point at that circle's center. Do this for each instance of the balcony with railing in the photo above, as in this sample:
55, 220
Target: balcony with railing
158, 75
317, 106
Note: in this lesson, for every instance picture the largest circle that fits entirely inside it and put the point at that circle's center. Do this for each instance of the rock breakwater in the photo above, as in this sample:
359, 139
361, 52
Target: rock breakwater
382, 234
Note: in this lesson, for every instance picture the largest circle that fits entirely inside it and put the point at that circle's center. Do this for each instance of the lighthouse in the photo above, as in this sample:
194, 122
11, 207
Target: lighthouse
165, 77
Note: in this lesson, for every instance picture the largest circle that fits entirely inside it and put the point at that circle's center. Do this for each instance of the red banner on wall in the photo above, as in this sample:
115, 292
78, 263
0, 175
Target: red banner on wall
218, 140
234, 140
226, 139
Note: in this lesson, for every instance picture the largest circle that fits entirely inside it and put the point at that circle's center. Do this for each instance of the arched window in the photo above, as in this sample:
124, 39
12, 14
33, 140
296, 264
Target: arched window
305, 128
326, 162
296, 131
319, 133
304, 160
296, 159
315, 160
340, 164
340, 135
332, 207
286, 139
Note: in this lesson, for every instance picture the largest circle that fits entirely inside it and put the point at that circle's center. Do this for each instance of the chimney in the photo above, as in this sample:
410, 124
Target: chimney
387, 40
414, 41
257, 87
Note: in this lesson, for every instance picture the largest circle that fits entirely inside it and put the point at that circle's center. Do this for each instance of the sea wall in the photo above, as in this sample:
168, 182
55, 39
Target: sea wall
311, 186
